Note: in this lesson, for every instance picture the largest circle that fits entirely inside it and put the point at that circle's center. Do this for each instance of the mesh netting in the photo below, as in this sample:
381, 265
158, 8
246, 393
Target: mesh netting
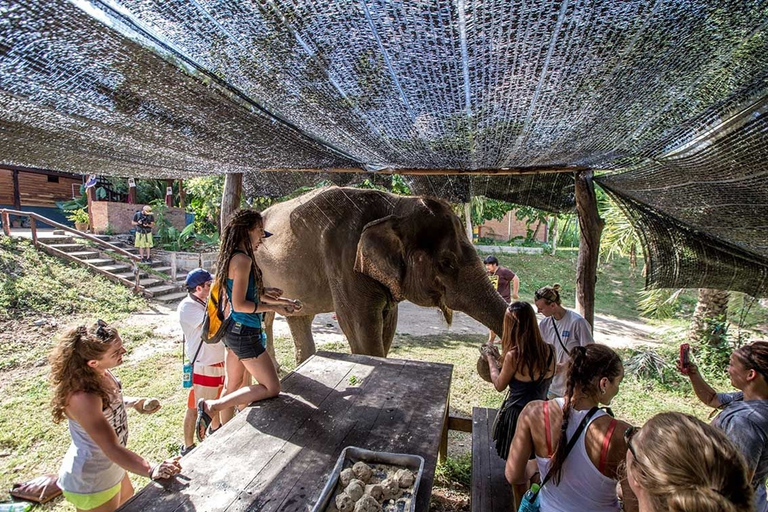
177, 88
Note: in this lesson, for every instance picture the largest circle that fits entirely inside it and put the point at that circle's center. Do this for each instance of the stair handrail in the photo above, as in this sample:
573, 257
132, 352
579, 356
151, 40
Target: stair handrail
5, 212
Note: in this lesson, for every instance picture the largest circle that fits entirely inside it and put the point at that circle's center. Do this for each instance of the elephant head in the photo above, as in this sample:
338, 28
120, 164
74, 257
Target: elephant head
422, 254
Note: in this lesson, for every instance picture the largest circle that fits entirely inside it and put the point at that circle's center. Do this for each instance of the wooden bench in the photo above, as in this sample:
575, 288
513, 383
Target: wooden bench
490, 490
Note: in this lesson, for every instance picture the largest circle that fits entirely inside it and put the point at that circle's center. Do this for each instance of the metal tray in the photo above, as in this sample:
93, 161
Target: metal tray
352, 454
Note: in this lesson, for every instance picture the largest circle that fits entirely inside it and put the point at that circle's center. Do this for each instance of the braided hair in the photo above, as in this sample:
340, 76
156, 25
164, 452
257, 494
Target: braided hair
587, 367
237, 232
70, 372
686, 465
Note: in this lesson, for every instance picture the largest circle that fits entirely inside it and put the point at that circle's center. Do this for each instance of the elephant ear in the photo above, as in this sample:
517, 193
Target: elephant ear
381, 256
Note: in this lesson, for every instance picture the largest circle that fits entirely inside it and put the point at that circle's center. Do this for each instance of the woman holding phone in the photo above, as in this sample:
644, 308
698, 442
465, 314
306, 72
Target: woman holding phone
744, 415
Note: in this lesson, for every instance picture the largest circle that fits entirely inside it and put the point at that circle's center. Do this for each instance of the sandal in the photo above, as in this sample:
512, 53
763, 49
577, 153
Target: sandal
203, 420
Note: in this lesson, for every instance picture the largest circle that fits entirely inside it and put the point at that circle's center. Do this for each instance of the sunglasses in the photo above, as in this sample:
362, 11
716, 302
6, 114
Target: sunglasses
101, 330
628, 435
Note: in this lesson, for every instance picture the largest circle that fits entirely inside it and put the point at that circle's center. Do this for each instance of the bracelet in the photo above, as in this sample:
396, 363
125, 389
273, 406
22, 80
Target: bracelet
152, 470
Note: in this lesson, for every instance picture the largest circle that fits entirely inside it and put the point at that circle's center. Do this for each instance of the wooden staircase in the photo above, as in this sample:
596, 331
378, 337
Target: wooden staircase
109, 257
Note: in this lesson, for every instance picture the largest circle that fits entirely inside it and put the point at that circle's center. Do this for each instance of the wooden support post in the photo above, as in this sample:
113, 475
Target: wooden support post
468, 219
33, 228
6, 223
90, 194
131, 191
182, 195
590, 227
230, 201
16, 190
169, 193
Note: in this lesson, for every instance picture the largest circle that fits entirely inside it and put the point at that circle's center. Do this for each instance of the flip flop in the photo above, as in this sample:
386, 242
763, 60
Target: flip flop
203, 420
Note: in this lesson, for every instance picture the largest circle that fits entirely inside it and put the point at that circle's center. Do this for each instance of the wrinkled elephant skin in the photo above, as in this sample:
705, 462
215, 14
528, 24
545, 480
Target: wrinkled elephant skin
360, 252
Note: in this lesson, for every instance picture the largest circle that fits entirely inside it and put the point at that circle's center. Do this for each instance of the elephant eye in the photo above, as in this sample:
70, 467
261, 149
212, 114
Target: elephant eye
446, 264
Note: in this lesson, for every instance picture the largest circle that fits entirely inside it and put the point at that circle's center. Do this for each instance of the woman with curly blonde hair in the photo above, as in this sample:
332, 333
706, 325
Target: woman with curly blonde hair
678, 463
93, 474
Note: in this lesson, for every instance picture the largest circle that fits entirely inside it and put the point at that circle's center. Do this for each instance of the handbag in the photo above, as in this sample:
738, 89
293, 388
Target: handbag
40, 490
215, 324
530, 501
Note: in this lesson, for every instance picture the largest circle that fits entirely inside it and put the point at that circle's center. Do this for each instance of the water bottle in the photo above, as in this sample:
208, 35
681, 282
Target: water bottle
187, 378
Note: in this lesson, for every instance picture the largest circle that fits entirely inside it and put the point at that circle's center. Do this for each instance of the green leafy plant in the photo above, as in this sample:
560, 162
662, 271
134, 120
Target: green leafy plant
79, 216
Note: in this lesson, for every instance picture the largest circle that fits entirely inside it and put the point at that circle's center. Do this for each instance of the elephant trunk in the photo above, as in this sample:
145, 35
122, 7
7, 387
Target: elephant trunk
478, 299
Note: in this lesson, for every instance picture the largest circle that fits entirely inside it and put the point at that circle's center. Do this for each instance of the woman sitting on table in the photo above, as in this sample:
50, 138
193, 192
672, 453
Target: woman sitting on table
678, 463
527, 368
744, 417
93, 474
245, 339
584, 478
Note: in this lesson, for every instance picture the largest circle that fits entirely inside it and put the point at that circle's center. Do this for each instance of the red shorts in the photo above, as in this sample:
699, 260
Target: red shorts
207, 383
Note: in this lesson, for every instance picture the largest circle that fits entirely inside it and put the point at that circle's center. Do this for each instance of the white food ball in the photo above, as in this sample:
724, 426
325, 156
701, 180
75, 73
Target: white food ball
362, 471
404, 478
344, 503
375, 491
346, 476
391, 488
355, 489
367, 504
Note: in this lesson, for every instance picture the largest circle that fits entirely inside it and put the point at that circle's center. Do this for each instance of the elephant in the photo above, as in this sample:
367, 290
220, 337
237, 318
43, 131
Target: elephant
359, 252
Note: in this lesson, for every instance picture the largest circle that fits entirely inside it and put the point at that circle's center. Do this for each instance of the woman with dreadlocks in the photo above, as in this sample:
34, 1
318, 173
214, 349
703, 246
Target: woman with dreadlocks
744, 416
241, 277
574, 441
93, 474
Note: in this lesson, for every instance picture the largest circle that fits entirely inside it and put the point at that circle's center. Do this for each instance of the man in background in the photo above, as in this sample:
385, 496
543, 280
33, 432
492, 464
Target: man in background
144, 221
207, 359
501, 277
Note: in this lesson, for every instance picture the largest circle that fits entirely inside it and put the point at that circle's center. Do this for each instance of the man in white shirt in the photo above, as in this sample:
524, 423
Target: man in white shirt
207, 359
562, 328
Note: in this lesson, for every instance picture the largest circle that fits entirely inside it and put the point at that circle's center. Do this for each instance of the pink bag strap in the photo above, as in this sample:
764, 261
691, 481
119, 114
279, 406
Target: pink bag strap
606, 444
547, 429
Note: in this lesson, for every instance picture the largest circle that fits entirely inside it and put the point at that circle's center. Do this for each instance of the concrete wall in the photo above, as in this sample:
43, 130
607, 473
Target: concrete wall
118, 217
500, 229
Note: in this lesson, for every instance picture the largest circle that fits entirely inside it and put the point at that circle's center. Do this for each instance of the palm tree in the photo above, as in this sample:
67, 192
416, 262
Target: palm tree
709, 324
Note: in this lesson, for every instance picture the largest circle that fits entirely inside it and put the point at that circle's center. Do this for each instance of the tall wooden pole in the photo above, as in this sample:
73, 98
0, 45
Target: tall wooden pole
16, 191
182, 195
590, 229
230, 201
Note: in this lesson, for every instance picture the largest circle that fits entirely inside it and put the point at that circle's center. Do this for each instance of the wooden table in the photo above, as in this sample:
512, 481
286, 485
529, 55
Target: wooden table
277, 454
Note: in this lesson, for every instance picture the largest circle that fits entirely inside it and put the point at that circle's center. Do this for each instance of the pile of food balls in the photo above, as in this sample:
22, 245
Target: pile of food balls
360, 496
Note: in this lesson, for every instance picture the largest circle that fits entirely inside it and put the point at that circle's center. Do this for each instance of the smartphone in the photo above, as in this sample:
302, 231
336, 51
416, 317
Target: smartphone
685, 357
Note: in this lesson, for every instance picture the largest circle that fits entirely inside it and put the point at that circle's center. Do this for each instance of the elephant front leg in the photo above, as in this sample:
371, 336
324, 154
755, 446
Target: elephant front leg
363, 328
301, 331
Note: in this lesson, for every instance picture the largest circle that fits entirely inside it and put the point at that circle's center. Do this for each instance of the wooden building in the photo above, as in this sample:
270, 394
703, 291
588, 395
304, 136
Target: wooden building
37, 190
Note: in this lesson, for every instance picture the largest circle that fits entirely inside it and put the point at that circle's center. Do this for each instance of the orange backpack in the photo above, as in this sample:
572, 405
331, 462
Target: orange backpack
215, 323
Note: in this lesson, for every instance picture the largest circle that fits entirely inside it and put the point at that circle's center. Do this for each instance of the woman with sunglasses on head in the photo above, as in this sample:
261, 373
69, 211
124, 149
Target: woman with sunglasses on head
678, 463
93, 474
578, 446
744, 415
527, 365
245, 339
562, 328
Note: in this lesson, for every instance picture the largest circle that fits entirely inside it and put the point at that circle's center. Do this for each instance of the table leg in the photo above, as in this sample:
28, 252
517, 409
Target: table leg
442, 451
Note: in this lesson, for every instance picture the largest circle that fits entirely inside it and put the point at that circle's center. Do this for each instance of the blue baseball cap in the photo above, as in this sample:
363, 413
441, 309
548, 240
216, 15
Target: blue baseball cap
198, 277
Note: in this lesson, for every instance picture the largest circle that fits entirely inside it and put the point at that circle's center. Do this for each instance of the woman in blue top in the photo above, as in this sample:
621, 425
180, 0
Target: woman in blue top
248, 299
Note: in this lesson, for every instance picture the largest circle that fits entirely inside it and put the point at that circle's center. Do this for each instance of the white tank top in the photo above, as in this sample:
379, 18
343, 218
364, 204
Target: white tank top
86, 469
582, 487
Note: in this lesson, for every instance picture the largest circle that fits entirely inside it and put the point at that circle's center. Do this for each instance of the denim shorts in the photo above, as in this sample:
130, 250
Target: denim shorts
245, 341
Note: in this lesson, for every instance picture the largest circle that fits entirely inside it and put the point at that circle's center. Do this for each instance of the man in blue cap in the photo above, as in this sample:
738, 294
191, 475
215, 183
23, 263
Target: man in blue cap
207, 359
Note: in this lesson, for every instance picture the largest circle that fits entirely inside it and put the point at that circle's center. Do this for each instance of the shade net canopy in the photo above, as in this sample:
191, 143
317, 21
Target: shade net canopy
665, 98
